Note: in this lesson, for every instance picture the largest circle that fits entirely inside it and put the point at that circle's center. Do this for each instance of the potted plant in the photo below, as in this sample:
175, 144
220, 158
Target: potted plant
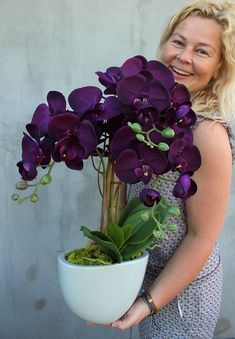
136, 130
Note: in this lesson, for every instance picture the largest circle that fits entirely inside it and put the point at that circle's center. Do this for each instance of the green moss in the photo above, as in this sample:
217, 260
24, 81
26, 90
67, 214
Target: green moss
89, 255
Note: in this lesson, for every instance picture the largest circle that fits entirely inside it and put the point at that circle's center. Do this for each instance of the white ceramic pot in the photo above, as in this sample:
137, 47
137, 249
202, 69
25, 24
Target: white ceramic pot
101, 294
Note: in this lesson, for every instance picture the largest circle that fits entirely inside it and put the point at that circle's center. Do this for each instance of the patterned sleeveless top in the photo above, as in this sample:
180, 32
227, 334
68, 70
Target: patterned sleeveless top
193, 313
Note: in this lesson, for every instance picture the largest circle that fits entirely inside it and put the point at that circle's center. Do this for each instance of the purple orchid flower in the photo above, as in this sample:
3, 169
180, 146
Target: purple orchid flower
137, 87
184, 157
180, 94
133, 166
149, 196
77, 143
110, 79
27, 170
139, 92
38, 127
161, 73
124, 138
84, 99
113, 75
185, 187
32, 156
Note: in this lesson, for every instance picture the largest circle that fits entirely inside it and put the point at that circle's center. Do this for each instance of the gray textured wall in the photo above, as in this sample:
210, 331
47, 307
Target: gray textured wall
59, 44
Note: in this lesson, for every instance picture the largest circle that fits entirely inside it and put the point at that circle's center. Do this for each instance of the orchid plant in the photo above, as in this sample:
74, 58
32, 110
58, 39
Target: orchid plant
137, 129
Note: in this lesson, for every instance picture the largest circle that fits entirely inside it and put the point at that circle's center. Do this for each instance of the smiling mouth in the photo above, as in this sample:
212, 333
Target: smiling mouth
180, 72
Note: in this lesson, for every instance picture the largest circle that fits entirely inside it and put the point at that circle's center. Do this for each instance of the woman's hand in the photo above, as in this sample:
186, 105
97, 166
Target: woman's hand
134, 315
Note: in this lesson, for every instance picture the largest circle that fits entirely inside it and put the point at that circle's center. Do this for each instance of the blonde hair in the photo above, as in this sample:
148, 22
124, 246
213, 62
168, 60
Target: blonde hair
219, 94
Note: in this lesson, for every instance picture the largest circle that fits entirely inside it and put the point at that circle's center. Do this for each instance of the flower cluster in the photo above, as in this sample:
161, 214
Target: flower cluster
141, 121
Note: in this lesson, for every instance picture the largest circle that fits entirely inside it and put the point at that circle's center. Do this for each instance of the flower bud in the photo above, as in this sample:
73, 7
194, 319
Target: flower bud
157, 234
171, 227
162, 146
22, 185
34, 198
145, 215
45, 179
136, 127
15, 197
173, 211
168, 133
140, 137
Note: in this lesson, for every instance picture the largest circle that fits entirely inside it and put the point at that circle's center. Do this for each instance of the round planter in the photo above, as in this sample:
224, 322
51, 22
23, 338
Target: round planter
101, 294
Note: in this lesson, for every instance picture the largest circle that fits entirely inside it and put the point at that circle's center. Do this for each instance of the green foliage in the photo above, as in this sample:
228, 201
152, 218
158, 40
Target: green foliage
92, 254
135, 231
107, 244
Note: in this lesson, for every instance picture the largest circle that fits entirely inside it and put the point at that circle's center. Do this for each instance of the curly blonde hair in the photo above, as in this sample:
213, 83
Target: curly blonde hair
219, 94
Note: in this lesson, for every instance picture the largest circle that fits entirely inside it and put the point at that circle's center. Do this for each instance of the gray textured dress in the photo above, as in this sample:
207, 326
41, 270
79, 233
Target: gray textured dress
194, 312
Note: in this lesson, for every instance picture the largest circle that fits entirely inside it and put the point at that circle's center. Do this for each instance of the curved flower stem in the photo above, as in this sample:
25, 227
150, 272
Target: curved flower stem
51, 166
159, 225
94, 166
36, 186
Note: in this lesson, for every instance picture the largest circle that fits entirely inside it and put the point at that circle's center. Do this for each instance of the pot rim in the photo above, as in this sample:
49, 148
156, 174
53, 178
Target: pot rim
63, 261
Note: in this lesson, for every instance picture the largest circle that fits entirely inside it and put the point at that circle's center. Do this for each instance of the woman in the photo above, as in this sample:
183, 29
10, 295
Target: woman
184, 276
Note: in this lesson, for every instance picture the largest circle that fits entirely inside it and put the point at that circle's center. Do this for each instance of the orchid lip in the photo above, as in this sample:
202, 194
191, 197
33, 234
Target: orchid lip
180, 71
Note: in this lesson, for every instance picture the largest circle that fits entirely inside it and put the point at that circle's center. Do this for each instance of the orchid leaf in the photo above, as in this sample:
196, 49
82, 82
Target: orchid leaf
115, 232
129, 209
145, 230
105, 242
127, 231
129, 251
138, 219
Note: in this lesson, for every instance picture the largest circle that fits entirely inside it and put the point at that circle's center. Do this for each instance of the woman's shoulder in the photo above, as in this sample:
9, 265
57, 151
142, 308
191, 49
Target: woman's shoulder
213, 130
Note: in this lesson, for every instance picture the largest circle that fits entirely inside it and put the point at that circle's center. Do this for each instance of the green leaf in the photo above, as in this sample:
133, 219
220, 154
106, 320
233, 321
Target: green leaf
115, 232
144, 231
105, 242
129, 251
129, 209
127, 231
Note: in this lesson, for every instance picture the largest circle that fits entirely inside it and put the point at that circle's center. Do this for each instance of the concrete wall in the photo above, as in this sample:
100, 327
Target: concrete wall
59, 44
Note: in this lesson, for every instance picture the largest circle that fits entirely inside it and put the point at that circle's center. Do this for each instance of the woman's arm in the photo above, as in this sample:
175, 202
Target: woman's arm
205, 217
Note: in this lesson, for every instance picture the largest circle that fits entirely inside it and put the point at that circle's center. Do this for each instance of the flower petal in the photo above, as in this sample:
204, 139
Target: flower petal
125, 166
56, 102
84, 99
159, 96
62, 123
161, 73
130, 88
149, 196
131, 66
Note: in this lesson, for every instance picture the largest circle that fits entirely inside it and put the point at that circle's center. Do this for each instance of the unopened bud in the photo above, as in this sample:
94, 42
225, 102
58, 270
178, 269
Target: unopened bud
136, 127
22, 185
15, 197
145, 215
173, 211
34, 198
140, 137
168, 133
46, 179
162, 146
157, 234
171, 227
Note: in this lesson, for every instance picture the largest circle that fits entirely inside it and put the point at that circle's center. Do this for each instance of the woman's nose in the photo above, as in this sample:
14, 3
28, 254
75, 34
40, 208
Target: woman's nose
185, 56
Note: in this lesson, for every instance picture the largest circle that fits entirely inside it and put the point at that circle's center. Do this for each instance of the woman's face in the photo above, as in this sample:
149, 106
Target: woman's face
193, 52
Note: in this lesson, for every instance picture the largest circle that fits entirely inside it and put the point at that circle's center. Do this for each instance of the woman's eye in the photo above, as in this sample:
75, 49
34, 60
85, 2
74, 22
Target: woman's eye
202, 52
178, 43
